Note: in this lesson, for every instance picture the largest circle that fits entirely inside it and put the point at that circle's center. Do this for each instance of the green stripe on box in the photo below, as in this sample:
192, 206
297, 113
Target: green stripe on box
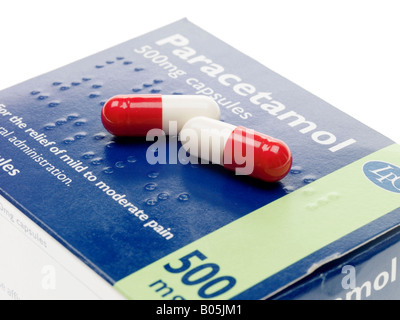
243, 253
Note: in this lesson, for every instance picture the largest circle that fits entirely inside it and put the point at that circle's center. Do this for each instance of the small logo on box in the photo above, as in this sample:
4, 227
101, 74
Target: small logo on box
383, 174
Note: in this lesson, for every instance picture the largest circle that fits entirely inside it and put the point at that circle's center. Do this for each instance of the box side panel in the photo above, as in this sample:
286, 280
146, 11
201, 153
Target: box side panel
34, 266
370, 273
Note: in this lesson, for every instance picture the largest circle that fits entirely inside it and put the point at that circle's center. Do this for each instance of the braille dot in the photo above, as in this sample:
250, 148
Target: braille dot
99, 136
153, 174
88, 155
311, 206
49, 126
150, 186
69, 140
93, 95
309, 179
296, 170
97, 161
288, 189
54, 104
131, 159
108, 170
80, 123
120, 164
72, 116
61, 121
110, 144
163, 196
183, 197
308, 191
151, 202
80, 135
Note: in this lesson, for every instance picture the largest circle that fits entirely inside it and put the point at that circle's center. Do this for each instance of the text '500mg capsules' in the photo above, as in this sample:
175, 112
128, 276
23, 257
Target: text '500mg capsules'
242, 150
136, 115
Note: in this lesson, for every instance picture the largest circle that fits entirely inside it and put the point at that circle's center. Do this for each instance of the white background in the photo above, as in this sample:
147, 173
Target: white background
345, 52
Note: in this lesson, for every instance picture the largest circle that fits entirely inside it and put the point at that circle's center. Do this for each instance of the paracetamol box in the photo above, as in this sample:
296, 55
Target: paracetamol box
85, 215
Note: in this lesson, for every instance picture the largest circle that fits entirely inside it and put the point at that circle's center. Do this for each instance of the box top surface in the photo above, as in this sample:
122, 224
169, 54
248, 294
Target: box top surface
68, 174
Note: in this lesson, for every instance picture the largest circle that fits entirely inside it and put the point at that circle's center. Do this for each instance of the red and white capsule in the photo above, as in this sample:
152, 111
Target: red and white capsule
242, 150
136, 115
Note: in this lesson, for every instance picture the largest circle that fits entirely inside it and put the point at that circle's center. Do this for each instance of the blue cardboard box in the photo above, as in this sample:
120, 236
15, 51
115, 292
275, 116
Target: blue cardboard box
89, 207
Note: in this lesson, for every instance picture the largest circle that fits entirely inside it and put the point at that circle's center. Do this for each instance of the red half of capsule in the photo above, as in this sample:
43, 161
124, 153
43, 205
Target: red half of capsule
264, 157
132, 115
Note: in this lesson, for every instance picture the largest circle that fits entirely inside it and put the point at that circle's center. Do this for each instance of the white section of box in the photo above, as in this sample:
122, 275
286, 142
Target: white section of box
34, 266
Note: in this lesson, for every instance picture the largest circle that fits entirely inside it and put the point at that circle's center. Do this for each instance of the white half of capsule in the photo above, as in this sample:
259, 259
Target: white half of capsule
178, 109
205, 138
